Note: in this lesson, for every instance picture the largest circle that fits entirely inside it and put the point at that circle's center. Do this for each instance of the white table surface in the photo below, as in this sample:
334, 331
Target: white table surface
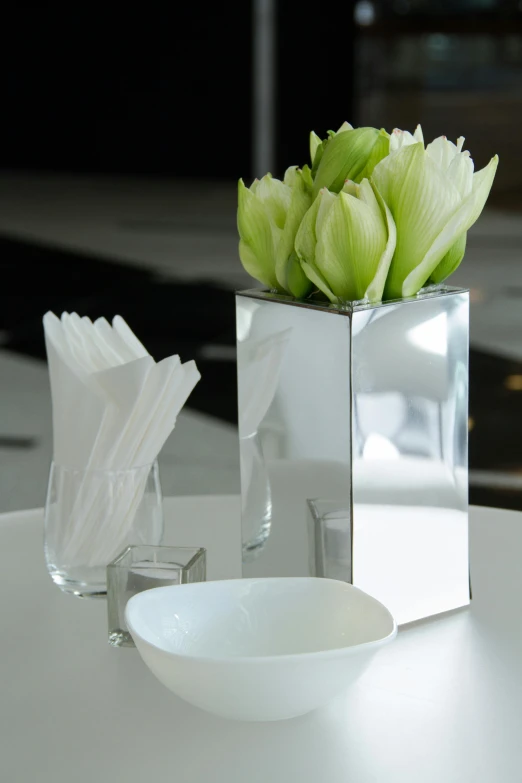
442, 704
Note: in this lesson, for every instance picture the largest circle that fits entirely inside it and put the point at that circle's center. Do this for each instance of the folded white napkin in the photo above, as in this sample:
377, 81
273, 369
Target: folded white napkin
113, 406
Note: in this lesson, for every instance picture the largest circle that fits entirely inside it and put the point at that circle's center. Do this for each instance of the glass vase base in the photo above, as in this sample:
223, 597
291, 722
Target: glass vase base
120, 638
93, 585
91, 516
253, 548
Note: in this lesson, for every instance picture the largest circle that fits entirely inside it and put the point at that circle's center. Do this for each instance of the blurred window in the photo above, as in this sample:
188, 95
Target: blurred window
455, 66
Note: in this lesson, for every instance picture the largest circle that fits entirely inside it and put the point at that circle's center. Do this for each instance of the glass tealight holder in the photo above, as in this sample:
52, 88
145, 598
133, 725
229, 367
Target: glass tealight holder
140, 568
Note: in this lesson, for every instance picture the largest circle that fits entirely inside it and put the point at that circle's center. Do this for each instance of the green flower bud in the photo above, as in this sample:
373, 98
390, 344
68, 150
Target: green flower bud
268, 217
345, 243
348, 154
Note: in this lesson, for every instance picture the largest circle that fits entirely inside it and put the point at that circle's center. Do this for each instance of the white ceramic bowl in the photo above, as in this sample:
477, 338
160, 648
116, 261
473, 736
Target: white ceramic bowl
258, 649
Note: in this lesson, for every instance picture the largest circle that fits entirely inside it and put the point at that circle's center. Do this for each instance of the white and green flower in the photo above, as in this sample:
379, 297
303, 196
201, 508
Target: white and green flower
434, 197
268, 217
346, 243
377, 214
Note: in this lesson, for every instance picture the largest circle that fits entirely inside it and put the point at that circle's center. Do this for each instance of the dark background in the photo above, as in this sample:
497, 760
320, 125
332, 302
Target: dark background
163, 92
168, 93
135, 91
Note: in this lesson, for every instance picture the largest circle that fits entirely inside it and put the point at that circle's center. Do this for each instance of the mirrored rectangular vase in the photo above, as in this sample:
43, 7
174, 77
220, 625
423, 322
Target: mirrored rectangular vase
353, 426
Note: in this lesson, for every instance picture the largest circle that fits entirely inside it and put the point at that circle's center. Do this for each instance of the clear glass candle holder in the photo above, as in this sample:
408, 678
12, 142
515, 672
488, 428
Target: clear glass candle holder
140, 568
330, 539
91, 515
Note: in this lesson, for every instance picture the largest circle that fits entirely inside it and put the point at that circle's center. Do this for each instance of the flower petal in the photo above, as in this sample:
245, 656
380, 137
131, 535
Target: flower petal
306, 240
486, 174
366, 194
275, 197
457, 224
379, 151
400, 138
296, 283
451, 260
319, 152
375, 290
258, 237
460, 172
256, 267
350, 187
290, 174
344, 157
327, 200
318, 280
288, 269
350, 245
315, 142
442, 152
421, 199
306, 173
418, 135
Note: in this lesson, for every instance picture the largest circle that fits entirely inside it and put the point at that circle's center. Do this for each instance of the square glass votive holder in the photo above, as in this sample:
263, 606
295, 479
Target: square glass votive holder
140, 568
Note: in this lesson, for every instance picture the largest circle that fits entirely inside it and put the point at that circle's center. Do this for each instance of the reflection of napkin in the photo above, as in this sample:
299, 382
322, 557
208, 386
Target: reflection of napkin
113, 405
258, 359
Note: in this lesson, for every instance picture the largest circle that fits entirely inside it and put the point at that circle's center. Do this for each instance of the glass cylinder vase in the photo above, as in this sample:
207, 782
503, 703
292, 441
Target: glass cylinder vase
91, 516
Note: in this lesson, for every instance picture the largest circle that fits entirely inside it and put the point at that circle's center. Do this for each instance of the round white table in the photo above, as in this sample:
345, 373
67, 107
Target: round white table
442, 704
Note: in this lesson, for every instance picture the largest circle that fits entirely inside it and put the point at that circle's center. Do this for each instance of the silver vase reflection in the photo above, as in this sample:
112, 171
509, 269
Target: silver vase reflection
259, 363
256, 501
364, 409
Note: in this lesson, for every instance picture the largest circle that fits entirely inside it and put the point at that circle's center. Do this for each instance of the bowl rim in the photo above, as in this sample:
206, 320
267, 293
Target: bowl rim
331, 653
